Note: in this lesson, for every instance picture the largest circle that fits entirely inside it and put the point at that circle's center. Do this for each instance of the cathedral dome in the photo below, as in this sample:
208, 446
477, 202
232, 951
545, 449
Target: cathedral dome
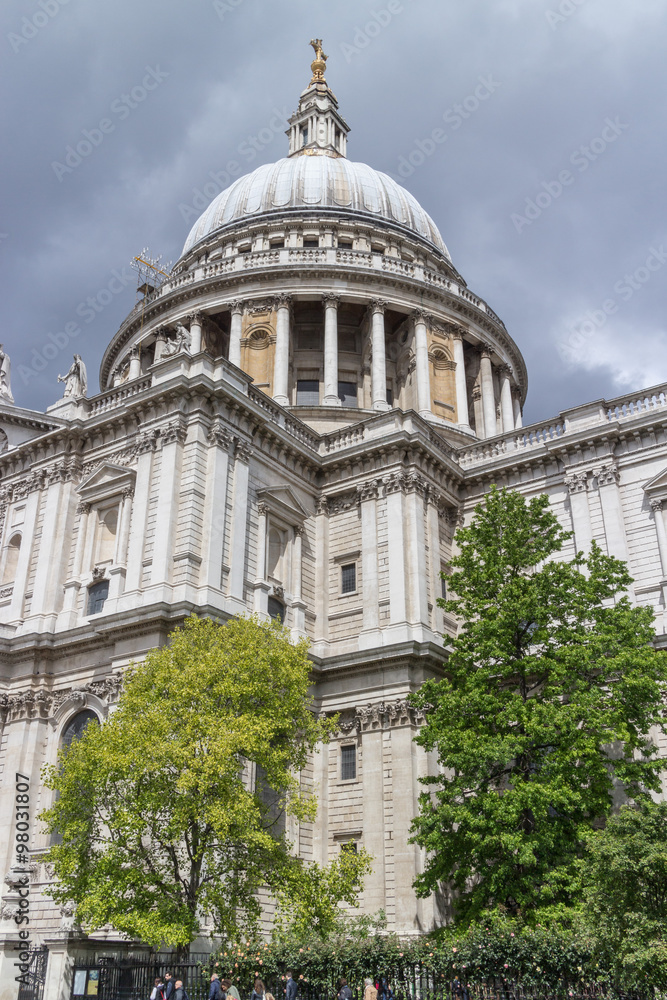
318, 182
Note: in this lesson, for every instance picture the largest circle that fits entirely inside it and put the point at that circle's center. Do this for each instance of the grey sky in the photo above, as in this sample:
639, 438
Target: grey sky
549, 74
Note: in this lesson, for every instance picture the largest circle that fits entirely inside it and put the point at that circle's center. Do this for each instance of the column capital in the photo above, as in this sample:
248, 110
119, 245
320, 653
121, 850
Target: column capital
377, 305
421, 315
135, 352
331, 300
283, 300
161, 335
505, 370
219, 436
454, 332
236, 306
242, 450
298, 530
197, 316
577, 482
656, 504
262, 508
516, 391
607, 474
484, 350
84, 508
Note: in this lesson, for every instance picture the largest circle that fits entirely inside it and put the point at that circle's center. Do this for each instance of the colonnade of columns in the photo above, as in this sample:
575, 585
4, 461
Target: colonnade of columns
486, 420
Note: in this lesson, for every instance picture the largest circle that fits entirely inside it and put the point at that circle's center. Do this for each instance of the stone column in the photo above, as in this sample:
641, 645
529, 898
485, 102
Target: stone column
415, 537
47, 592
488, 396
657, 506
577, 484
196, 321
612, 511
160, 344
23, 564
135, 363
433, 527
118, 571
298, 604
68, 616
261, 587
322, 570
235, 332
370, 635
421, 363
239, 524
506, 409
331, 302
219, 442
518, 420
375, 888
396, 549
462, 417
144, 449
406, 855
172, 438
379, 365
281, 357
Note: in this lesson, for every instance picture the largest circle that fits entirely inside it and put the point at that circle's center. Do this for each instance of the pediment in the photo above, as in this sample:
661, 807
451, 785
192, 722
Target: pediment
281, 500
106, 481
657, 485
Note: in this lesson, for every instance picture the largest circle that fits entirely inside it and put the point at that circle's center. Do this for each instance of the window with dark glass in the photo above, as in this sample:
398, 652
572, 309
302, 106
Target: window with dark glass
272, 806
348, 762
311, 244
276, 609
344, 244
443, 588
348, 578
390, 396
97, 595
347, 393
350, 846
72, 732
307, 392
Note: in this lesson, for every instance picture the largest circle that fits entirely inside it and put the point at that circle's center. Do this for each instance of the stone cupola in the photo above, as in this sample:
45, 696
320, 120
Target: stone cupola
317, 127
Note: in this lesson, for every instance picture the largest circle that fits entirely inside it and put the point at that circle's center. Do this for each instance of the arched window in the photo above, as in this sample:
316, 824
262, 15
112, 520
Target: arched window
11, 559
72, 732
276, 609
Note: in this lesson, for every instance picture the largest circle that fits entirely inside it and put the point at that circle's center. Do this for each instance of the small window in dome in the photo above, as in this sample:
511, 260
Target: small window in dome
310, 243
304, 134
307, 392
277, 244
344, 244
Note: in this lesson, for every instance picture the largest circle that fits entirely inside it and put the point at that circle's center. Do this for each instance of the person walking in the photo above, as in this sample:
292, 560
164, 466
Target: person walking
180, 992
344, 991
157, 993
258, 990
370, 993
169, 986
215, 992
291, 986
230, 990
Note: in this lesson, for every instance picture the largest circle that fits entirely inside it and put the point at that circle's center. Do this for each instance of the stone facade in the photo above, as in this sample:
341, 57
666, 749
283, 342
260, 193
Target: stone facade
295, 422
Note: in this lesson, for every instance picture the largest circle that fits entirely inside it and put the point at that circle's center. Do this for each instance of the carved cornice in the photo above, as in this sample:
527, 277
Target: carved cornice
380, 715
44, 704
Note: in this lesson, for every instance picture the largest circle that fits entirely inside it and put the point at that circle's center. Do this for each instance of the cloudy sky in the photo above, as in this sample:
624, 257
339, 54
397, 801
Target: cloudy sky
548, 186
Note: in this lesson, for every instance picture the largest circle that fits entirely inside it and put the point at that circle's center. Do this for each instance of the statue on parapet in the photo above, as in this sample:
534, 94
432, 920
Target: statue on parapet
180, 343
76, 379
5, 372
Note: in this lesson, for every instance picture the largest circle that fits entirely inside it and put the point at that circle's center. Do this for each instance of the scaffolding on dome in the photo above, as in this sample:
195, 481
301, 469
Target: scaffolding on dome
151, 272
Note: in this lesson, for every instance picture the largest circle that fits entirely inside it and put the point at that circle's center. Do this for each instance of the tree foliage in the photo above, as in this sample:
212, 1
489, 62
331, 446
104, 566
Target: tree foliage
625, 892
551, 688
161, 821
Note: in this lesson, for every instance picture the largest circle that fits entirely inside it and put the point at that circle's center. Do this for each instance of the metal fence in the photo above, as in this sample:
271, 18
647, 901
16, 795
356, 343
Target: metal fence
32, 988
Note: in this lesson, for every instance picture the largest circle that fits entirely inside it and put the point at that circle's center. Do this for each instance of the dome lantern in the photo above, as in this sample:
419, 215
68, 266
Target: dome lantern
317, 127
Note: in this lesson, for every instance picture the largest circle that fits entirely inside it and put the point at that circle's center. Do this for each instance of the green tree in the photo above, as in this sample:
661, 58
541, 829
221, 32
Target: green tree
550, 690
161, 821
625, 893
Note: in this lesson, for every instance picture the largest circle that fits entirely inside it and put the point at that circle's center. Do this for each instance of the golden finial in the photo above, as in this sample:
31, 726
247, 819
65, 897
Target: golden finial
319, 63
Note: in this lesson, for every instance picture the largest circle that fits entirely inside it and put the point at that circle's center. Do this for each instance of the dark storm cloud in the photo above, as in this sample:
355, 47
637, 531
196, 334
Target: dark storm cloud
482, 109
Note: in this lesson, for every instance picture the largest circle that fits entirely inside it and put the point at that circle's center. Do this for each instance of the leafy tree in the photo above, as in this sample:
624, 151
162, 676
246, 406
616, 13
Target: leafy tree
625, 891
551, 688
160, 823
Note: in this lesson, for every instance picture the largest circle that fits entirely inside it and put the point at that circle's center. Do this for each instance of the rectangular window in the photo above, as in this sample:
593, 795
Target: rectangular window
276, 244
311, 244
443, 588
348, 763
307, 392
390, 396
97, 595
344, 244
350, 846
348, 578
347, 393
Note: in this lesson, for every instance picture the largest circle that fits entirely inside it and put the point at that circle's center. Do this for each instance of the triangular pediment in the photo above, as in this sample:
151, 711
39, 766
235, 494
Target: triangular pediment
658, 484
107, 480
284, 502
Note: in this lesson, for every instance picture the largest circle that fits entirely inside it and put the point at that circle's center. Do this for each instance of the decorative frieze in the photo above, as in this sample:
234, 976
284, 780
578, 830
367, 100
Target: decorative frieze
43, 704
378, 715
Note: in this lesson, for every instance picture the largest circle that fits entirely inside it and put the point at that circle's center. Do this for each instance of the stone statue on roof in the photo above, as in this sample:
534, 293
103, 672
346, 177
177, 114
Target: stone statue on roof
5, 371
76, 379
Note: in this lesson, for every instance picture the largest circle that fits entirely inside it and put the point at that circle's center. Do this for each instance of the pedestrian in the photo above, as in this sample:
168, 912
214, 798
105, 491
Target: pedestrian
257, 990
370, 993
180, 992
215, 992
291, 987
230, 990
344, 991
157, 993
169, 986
